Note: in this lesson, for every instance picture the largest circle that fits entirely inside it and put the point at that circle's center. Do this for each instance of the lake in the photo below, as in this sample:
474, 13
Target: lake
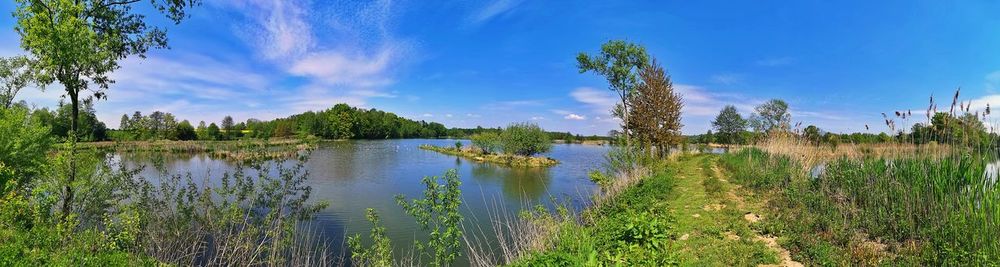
355, 175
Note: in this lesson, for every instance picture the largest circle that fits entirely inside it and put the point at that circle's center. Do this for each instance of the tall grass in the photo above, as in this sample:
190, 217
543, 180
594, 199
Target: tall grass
911, 201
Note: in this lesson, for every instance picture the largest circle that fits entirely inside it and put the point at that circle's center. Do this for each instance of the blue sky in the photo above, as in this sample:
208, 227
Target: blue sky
840, 64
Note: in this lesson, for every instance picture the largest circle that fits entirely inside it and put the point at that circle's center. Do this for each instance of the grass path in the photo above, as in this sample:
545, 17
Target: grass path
713, 223
684, 214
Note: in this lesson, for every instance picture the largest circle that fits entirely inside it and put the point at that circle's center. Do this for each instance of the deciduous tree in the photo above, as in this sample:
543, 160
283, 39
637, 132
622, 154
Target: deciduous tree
772, 115
729, 126
619, 62
79, 43
656, 109
15, 74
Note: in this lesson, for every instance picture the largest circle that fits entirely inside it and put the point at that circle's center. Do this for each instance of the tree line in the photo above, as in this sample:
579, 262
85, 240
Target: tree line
338, 122
963, 127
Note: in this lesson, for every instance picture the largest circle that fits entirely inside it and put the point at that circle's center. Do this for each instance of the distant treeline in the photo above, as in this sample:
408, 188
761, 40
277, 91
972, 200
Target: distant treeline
339, 122
59, 120
943, 128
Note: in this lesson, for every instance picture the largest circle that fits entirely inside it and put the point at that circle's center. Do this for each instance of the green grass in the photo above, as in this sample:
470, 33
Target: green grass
874, 211
644, 226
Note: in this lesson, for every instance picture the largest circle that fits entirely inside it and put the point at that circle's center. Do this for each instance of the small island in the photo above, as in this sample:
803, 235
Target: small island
514, 146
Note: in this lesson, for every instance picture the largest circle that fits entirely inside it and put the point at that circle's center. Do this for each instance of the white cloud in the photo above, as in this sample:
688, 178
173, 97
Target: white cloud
279, 29
600, 101
340, 68
428, 115
448, 115
360, 65
537, 118
572, 116
470, 115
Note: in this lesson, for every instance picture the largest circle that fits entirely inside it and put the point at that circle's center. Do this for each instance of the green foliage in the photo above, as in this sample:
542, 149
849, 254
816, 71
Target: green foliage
252, 215
620, 160
626, 231
745, 168
771, 115
488, 142
33, 237
15, 74
185, 131
380, 253
811, 134
24, 142
941, 210
524, 139
213, 132
729, 125
438, 213
619, 62
60, 122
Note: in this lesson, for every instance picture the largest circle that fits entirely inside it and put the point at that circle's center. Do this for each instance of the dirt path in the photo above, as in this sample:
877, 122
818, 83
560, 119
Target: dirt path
708, 220
772, 242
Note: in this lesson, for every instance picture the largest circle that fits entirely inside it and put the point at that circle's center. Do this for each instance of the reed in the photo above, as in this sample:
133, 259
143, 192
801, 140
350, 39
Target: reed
913, 201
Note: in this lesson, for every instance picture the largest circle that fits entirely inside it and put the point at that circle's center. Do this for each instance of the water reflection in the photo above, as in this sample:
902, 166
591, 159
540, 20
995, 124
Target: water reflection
355, 175
517, 183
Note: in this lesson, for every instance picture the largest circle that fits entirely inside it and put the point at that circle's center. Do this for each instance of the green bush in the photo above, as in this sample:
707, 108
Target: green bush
488, 142
524, 139
24, 143
438, 213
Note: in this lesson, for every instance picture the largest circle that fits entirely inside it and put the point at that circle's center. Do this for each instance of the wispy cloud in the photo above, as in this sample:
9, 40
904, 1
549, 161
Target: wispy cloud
358, 67
513, 104
492, 10
775, 61
993, 82
727, 78
279, 29
599, 101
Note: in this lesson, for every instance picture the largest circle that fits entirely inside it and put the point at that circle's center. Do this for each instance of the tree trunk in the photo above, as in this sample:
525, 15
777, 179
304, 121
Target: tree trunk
628, 138
68, 196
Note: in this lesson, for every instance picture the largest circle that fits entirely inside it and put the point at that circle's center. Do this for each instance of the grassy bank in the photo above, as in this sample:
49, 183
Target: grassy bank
677, 213
503, 159
915, 210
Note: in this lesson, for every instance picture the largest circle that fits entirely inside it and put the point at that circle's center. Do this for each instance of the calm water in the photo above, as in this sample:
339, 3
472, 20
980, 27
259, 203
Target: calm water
356, 175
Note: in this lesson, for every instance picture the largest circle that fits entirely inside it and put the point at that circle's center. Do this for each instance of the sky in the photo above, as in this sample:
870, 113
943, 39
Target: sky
839, 64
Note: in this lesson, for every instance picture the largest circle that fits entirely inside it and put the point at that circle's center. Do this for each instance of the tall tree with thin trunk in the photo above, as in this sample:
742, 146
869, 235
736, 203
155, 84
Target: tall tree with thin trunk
78, 43
619, 62
655, 117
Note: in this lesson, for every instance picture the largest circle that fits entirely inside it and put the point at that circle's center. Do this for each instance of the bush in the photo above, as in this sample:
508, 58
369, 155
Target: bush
488, 142
23, 144
525, 139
